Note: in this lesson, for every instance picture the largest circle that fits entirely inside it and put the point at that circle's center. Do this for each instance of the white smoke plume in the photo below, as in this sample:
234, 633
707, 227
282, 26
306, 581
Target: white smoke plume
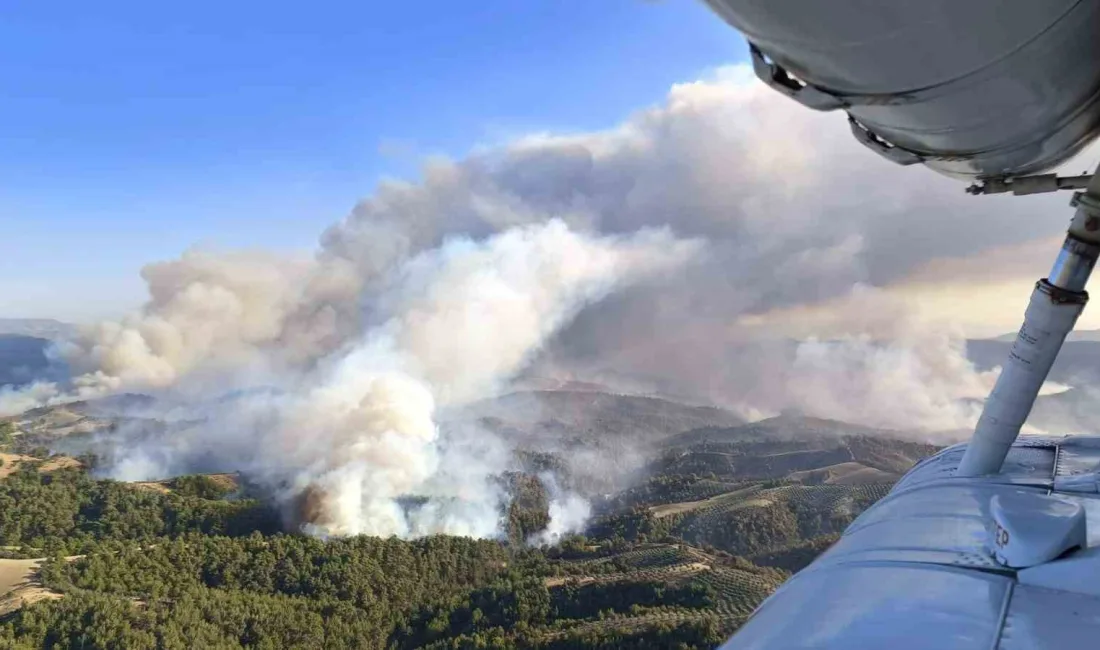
551, 253
794, 211
14, 401
356, 431
872, 359
569, 512
927, 382
211, 312
462, 319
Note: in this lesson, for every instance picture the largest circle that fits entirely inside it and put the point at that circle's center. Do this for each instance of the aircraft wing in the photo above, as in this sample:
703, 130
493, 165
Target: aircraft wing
916, 569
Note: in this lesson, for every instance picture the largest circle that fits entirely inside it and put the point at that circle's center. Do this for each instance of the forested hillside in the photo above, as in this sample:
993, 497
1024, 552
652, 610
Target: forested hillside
718, 519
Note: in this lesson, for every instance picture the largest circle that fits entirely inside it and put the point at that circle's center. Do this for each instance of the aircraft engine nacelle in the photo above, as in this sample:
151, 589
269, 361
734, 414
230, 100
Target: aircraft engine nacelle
971, 88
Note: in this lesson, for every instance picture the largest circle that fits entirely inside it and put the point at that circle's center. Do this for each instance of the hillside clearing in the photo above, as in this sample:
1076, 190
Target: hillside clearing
669, 509
19, 585
11, 463
850, 473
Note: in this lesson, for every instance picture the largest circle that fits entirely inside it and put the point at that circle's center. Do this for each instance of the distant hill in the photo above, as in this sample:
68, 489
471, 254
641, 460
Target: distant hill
594, 417
527, 384
86, 426
1077, 364
1074, 411
23, 345
783, 427
1078, 335
777, 491
719, 504
23, 360
801, 449
46, 328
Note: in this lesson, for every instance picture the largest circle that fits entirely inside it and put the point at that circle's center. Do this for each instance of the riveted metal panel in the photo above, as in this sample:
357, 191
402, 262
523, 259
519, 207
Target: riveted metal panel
1046, 619
880, 606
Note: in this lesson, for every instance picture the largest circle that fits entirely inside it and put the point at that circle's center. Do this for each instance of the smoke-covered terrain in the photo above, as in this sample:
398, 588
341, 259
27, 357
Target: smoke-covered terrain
723, 249
701, 519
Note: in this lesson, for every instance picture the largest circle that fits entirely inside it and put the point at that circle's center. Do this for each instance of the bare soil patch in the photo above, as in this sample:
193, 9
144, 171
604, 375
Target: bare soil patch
20, 585
669, 509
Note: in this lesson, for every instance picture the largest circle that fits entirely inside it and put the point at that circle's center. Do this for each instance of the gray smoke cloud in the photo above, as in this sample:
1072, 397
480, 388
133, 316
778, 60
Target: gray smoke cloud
783, 287
347, 436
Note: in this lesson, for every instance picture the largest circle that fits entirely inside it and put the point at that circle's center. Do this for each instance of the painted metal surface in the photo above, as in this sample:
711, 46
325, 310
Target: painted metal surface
880, 606
1091, 504
1049, 619
943, 523
976, 89
916, 570
1078, 455
1075, 574
1029, 462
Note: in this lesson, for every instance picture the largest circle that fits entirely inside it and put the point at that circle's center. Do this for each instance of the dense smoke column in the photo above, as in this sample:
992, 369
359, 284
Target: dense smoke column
552, 252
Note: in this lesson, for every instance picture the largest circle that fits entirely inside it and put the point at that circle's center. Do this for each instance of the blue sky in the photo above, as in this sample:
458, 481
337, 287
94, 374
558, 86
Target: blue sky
132, 130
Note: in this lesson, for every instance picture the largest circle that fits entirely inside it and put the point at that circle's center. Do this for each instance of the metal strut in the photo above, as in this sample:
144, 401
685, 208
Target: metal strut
1055, 304
1024, 185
